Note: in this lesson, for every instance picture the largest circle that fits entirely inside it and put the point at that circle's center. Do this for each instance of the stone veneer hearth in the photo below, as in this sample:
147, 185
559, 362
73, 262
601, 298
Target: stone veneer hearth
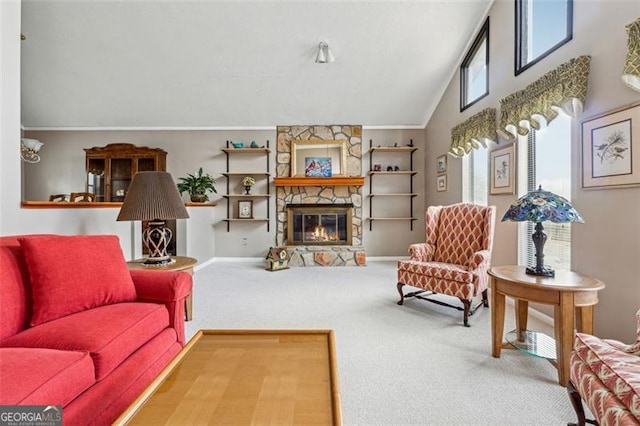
340, 255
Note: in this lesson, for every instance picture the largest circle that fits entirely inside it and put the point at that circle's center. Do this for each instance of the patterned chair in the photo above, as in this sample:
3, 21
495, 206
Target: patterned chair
606, 374
455, 258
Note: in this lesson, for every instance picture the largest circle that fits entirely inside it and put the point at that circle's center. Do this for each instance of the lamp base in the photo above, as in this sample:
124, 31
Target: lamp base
156, 237
543, 272
151, 262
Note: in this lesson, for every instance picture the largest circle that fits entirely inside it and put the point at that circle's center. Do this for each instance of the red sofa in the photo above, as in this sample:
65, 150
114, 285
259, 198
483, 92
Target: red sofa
78, 329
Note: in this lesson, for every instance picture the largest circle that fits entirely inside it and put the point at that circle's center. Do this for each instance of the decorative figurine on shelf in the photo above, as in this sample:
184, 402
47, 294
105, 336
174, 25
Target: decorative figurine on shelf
248, 182
254, 144
396, 169
389, 168
237, 144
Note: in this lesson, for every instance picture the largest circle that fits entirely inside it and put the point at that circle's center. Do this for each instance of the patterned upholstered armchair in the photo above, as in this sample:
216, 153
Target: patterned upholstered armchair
455, 258
606, 374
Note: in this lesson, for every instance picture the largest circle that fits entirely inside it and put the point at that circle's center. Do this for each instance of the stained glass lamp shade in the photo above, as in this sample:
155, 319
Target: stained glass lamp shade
539, 206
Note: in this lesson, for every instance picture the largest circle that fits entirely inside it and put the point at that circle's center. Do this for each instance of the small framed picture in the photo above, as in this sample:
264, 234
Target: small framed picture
441, 183
245, 209
611, 149
502, 168
441, 164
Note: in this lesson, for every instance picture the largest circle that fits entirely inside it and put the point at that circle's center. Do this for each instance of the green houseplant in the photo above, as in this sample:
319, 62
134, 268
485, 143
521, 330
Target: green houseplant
197, 186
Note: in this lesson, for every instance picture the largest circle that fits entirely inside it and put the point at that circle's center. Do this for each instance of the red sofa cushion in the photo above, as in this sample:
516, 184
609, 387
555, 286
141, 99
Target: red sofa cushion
15, 292
109, 333
71, 274
33, 376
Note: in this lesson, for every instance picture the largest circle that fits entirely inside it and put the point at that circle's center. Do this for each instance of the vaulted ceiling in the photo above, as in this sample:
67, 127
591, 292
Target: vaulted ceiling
222, 64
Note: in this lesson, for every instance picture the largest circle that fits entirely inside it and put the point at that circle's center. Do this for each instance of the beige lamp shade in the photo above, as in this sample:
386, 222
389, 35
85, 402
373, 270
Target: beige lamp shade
152, 195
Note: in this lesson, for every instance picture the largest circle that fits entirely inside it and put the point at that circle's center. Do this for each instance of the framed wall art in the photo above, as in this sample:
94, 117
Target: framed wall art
502, 166
245, 209
441, 164
441, 183
611, 149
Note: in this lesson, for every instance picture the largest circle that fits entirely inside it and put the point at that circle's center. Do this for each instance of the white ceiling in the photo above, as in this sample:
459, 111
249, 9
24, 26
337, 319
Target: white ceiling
212, 64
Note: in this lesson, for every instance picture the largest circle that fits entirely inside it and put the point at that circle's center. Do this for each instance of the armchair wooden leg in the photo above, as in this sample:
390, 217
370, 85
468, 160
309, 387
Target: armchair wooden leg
467, 310
485, 298
400, 285
576, 402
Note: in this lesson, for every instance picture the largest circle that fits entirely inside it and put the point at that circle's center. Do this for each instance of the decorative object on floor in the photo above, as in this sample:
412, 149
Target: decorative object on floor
324, 55
153, 197
631, 71
604, 373
29, 149
539, 206
503, 166
610, 147
245, 209
248, 182
197, 186
441, 164
441, 183
277, 258
454, 259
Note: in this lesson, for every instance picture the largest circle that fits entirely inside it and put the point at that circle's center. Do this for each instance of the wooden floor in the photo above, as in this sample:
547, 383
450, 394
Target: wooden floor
244, 377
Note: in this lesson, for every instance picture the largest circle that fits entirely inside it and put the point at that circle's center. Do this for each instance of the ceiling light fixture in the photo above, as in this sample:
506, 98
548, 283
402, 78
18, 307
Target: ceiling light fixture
324, 55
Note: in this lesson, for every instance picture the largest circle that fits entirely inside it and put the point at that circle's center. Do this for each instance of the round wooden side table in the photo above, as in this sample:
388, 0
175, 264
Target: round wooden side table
571, 294
182, 263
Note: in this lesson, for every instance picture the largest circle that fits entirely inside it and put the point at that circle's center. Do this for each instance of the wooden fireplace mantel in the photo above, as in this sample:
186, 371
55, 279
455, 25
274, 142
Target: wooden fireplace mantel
320, 181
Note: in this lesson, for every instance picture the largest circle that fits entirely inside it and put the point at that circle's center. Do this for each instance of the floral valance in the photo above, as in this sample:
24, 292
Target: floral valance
562, 88
476, 131
631, 71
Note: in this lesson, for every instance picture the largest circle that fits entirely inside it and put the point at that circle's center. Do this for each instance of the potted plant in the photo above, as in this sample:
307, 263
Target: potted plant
197, 186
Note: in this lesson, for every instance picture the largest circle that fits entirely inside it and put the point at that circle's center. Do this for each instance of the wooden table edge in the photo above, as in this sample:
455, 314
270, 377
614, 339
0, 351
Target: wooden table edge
133, 408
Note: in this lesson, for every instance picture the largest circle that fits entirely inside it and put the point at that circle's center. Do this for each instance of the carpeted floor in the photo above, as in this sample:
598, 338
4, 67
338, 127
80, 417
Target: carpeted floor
398, 365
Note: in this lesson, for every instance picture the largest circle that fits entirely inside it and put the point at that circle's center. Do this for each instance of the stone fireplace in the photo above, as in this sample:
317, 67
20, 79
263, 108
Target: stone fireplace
311, 245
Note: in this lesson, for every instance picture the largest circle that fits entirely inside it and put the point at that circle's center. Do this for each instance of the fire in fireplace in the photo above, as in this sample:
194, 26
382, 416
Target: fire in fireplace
324, 224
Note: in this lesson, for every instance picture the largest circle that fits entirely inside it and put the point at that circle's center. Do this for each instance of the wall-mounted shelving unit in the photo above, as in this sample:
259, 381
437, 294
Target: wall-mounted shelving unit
236, 177
385, 174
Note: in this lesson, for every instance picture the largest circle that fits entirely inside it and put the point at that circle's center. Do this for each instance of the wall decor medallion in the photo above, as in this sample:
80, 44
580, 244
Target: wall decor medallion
611, 149
503, 166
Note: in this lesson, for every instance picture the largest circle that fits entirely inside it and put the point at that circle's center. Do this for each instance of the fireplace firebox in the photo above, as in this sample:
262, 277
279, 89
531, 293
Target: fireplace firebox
319, 224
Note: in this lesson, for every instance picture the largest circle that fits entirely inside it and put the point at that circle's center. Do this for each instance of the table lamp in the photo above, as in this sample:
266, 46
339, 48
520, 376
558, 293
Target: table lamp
154, 197
538, 206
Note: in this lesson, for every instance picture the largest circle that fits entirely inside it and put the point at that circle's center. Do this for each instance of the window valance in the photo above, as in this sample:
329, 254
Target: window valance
476, 131
562, 88
631, 71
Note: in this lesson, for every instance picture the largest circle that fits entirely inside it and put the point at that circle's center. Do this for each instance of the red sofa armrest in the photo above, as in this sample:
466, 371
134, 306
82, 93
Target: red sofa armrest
162, 286
170, 288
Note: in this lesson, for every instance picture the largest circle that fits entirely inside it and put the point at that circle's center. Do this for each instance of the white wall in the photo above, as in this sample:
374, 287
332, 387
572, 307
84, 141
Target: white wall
607, 246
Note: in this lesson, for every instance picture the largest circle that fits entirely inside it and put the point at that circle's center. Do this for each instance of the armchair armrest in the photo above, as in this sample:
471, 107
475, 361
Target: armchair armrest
479, 264
479, 260
421, 252
156, 286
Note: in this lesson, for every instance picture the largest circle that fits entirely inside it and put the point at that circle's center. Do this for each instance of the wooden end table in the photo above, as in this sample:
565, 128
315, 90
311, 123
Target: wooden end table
572, 296
182, 263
